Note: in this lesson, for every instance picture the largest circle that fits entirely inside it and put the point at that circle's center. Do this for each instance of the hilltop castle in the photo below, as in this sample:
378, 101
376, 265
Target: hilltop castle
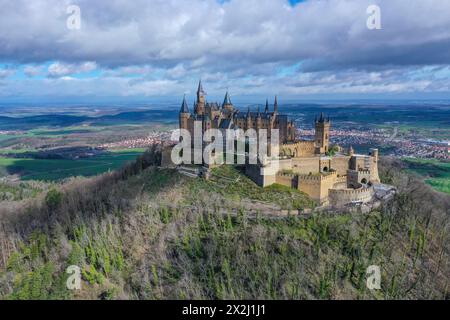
329, 176
211, 115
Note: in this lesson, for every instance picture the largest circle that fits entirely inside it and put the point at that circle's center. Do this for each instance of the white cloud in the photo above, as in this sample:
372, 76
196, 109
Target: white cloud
327, 33
59, 69
4, 73
33, 70
255, 46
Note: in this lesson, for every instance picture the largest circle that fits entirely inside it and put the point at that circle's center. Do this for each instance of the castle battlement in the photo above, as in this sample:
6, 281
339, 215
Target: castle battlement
340, 197
350, 191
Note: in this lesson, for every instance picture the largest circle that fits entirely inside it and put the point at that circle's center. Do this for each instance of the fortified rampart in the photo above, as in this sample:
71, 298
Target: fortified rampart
339, 197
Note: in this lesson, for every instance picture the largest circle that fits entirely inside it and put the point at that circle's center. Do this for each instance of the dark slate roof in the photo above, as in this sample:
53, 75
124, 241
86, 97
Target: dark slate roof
213, 105
322, 118
200, 87
226, 124
184, 106
227, 99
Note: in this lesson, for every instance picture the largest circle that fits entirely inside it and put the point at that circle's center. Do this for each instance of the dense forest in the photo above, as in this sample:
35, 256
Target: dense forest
143, 232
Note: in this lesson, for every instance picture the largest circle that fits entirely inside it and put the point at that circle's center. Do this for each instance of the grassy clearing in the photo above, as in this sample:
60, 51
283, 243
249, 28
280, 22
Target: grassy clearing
56, 169
231, 183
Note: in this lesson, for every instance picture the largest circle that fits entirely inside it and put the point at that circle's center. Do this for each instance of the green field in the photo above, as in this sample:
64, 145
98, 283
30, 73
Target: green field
435, 172
54, 170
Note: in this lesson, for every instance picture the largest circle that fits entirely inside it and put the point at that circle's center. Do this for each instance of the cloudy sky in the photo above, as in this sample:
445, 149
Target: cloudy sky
144, 49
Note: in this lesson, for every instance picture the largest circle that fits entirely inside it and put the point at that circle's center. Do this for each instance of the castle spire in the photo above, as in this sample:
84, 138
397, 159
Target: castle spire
227, 100
200, 87
259, 113
248, 112
322, 118
184, 106
275, 105
266, 110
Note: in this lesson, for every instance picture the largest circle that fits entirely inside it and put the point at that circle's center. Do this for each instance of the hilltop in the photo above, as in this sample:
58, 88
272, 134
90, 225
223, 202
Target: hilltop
148, 233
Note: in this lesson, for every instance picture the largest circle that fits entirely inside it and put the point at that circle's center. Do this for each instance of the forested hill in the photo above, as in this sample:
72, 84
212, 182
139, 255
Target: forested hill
149, 233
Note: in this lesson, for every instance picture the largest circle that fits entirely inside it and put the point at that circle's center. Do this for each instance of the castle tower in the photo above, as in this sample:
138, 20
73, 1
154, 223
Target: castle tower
266, 110
201, 99
248, 119
184, 114
227, 105
322, 138
374, 155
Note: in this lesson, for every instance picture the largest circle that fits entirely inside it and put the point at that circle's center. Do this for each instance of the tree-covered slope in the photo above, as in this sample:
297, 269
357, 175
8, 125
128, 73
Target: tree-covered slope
149, 233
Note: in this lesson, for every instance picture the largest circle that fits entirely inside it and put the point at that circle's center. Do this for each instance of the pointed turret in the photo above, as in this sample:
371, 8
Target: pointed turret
322, 118
200, 88
201, 99
227, 100
184, 106
184, 114
259, 113
275, 105
266, 110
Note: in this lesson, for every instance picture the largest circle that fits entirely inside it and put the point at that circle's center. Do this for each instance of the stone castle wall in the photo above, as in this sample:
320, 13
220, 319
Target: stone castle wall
339, 197
306, 165
340, 164
298, 149
317, 186
288, 180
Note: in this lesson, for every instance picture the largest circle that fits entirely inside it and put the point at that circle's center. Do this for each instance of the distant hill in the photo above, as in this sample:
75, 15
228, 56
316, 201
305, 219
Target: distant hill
149, 233
55, 120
